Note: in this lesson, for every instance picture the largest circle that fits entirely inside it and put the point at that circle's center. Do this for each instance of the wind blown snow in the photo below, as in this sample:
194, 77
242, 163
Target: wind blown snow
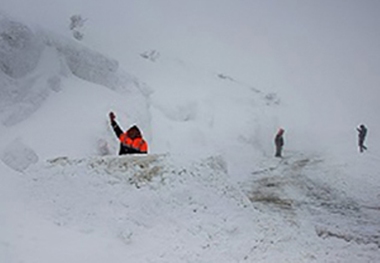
210, 190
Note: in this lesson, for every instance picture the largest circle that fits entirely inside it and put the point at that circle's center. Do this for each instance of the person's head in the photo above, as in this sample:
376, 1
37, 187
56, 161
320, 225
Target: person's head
280, 131
362, 126
134, 132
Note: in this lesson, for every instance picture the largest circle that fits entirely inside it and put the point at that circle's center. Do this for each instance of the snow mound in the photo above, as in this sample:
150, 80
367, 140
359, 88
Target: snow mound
19, 156
185, 211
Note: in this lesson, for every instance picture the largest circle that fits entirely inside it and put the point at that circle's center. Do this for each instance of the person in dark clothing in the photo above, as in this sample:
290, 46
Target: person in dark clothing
279, 142
131, 141
362, 134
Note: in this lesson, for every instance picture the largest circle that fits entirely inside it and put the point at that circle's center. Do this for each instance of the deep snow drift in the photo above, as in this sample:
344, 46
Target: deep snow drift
210, 191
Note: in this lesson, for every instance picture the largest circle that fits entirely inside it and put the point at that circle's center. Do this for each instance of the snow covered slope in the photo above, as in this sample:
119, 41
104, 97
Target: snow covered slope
210, 191
157, 208
141, 208
55, 90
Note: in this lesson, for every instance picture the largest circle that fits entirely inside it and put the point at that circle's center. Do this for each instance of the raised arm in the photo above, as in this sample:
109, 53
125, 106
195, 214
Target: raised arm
116, 128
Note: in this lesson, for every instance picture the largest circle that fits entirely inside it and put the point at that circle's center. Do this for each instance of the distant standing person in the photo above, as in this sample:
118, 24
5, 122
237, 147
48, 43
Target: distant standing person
279, 142
362, 134
131, 141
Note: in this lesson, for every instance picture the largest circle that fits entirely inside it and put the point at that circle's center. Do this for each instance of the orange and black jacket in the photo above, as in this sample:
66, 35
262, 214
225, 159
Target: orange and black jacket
129, 145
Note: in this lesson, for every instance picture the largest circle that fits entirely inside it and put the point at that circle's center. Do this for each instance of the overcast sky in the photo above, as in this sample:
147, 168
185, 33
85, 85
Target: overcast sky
327, 50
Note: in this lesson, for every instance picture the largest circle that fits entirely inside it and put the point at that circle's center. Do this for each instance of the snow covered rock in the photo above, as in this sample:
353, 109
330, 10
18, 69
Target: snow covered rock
34, 63
93, 66
19, 156
20, 49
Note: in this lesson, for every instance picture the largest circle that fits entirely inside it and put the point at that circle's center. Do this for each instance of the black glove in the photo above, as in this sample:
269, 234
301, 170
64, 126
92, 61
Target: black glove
112, 116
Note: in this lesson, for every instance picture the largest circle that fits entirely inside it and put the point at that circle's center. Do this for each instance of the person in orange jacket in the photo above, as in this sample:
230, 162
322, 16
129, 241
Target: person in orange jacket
131, 141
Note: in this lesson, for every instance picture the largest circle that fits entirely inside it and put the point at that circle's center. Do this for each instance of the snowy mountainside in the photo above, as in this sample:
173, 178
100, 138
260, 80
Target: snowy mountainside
209, 109
37, 65
210, 191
